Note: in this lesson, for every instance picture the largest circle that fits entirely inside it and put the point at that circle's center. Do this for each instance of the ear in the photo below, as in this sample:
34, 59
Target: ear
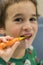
2, 32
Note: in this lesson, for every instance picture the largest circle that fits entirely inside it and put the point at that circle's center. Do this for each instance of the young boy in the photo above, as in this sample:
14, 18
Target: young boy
19, 18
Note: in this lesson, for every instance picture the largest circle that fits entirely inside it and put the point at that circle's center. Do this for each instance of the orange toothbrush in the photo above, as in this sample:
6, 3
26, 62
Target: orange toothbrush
10, 43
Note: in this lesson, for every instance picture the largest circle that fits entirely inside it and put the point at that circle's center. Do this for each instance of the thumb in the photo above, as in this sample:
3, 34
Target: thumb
16, 44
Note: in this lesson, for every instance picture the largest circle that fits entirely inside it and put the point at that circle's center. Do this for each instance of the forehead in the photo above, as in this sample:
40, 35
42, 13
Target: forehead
22, 7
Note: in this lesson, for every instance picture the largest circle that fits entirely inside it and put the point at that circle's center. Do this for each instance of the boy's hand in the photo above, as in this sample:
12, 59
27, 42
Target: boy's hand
8, 52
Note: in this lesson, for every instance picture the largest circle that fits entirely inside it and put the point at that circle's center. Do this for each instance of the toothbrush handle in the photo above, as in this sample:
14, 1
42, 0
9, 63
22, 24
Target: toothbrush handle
8, 43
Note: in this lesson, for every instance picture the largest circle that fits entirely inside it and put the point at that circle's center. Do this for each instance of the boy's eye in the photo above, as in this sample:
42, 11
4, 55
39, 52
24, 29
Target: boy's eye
18, 20
33, 19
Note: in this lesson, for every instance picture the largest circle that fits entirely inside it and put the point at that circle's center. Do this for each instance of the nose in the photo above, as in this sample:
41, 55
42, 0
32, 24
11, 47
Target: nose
27, 26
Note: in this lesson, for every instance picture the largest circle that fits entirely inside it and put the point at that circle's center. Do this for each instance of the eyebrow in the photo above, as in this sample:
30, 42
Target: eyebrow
34, 15
22, 14
18, 15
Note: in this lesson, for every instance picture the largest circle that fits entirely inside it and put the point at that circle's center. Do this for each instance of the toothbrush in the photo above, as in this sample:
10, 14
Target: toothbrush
10, 43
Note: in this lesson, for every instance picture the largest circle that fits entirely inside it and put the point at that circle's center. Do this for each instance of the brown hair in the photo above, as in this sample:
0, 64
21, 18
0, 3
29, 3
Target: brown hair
5, 3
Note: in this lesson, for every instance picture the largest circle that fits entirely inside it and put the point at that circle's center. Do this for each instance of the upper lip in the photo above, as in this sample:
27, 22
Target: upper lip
26, 35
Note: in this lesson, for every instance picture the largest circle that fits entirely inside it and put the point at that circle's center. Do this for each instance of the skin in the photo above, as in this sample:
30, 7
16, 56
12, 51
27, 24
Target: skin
2, 31
21, 20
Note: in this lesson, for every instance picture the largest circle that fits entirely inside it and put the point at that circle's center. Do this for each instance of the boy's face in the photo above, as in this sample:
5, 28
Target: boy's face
21, 20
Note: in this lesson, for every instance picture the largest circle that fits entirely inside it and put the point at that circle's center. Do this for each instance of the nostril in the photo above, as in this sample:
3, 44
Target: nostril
25, 29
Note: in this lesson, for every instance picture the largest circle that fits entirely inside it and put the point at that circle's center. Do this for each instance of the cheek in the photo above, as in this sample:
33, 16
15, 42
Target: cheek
35, 28
12, 29
15, 32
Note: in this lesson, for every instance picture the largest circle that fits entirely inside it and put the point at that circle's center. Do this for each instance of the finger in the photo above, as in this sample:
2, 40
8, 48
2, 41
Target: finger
9, 38
15, 45
8, 50
1, 52
5, 38
2, 39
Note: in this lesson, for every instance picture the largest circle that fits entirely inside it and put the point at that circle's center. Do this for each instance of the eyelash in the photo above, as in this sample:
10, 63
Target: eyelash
18, 20
33, 19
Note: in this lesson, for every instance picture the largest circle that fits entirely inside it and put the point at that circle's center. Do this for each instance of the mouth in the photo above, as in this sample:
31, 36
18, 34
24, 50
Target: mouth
27, 36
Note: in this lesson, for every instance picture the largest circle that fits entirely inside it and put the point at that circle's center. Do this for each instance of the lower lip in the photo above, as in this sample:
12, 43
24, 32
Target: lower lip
28, 38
